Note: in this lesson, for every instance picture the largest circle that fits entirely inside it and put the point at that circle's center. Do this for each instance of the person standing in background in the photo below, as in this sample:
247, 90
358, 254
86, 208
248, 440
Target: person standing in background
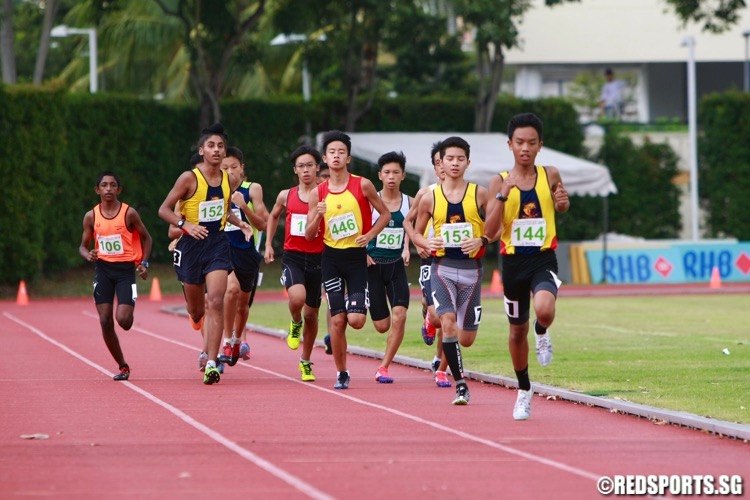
611, 99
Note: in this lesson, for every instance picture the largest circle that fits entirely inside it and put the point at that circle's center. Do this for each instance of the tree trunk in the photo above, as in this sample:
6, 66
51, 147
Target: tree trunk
7, 38
50, 13
361, 75
489, 60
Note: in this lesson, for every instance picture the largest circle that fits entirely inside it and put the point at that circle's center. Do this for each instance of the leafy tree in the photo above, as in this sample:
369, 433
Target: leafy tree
347, 61
647, 202
212, 32
716, 16
724, 166
495, 27
428, 58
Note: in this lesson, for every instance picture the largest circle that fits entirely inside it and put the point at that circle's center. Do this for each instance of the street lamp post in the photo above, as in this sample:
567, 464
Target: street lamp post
746, 67
689, 42
63, 31
283, 39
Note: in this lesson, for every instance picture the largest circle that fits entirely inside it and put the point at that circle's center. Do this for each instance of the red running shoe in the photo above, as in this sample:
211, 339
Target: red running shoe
428, 332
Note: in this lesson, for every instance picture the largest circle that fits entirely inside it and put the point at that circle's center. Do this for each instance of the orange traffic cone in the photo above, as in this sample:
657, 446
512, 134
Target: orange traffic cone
715, 278
496, 286
155, 290
22, 299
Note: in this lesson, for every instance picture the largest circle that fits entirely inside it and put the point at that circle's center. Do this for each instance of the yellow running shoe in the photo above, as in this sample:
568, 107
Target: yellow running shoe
295, 332
305, 368
212, 376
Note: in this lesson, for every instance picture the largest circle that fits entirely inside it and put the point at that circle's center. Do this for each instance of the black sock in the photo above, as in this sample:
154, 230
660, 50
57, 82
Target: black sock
523, 379
453, 354
124, 366
539, 329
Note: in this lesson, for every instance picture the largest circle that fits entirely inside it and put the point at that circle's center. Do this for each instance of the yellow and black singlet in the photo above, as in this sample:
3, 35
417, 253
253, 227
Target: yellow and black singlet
348, 214
529, 218
455, 222
208, 205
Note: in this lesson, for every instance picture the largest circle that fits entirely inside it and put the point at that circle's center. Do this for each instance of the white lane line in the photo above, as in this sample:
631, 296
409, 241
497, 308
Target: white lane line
464, 435
293, 481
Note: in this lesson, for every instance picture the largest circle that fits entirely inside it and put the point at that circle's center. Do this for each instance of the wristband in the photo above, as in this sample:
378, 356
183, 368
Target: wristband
144, 263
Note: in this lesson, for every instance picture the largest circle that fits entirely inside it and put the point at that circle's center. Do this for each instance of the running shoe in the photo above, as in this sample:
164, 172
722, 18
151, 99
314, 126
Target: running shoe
327, 343
212, 376
295, 332
226, 353
462, 394
522, 408
124, 373
234, 354
382, 376
198, 325
202, 360
245, 351
342, 380
441, 379
543, 348
428, 332
305, 368
220, 366
435, 365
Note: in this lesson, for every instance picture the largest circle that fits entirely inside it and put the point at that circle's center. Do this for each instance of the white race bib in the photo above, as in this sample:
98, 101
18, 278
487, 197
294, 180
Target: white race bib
343, 226
111, 245
390, 238
528, 232
453, 234
231, 227
210, 211
299, 224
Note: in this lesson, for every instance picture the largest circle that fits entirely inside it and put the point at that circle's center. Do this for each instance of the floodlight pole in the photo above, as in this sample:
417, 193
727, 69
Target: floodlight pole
63, 31
689, 42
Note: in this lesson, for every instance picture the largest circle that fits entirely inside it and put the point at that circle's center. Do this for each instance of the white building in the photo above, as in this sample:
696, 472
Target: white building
630, 36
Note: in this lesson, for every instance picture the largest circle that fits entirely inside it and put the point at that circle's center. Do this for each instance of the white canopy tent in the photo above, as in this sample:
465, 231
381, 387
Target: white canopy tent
489, 155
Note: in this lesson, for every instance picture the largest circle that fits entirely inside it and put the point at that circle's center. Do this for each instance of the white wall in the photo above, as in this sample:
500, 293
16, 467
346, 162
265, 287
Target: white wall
618, 32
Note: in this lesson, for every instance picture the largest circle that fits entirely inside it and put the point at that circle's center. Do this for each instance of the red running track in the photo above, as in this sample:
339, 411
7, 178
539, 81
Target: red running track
263, 433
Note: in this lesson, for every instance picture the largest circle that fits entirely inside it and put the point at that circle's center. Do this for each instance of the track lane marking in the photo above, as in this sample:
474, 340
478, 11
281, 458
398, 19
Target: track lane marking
464, 435
293, 481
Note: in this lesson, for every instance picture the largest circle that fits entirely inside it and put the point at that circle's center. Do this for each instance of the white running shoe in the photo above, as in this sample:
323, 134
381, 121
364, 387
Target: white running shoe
543, 348
522, 409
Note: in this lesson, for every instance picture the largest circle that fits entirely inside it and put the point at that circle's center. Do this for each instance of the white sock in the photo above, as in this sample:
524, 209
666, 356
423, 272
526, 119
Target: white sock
211, 364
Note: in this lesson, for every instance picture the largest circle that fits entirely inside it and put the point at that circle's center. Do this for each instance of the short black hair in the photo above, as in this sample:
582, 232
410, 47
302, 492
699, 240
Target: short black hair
608, 72
106, 173
305, 150
392, 157
215, 129
454, 142
525, 120
337, 135
236, 152
435, 149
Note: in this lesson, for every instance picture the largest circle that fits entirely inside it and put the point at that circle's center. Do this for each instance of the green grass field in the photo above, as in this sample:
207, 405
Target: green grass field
663, 351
